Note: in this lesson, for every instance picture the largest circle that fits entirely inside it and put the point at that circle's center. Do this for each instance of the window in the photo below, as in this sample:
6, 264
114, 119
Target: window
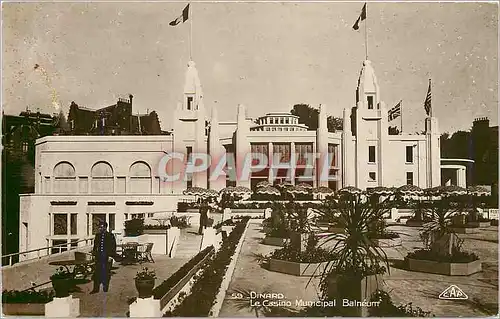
61, 246
284, 152
64, 178
140, 178
302, 151
189, 151
372, 177
25, 147
281, 120
287, 121
96, 220
370, 102
60, 224
409, 178
73, 224
189, 102
332, 154
102, 178
409, 154
371, 154
271, 121
261, 150
189, 181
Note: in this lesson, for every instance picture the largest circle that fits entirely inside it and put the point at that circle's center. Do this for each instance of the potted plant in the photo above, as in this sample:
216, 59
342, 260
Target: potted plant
134, 227
353, 273
62, 281
145, 282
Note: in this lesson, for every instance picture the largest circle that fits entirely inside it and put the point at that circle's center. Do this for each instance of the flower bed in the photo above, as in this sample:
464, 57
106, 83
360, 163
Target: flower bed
169, 287
297, 268
290, 260
275, 241
479, 224
25, 303
457, 264
463, 229
205, 289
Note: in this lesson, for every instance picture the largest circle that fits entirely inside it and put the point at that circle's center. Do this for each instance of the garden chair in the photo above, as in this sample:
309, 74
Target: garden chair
85, 269
145, 253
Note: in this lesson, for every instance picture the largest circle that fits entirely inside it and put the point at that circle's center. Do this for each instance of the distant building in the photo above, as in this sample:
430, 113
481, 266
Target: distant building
485, 152
18, 166
117, 119
82, 180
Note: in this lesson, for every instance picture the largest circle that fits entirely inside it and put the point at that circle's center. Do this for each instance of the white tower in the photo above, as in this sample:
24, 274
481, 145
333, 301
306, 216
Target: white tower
242, 145
217, 151
322, 163
189, 126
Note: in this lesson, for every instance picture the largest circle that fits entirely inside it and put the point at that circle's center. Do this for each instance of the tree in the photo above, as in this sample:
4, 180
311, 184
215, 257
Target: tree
309, 116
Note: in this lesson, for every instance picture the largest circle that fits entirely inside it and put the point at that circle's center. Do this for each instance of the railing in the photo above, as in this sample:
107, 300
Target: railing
11, 259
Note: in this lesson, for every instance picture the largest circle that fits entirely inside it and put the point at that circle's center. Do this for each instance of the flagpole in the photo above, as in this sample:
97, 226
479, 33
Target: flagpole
366, 34
190, 32
430, 89
401, 108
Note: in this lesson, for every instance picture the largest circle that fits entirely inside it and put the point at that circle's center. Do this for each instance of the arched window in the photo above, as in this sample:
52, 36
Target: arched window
140, 178
102, 178
64, 178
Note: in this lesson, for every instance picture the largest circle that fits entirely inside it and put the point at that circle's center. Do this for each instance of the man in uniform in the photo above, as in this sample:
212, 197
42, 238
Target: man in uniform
104, 249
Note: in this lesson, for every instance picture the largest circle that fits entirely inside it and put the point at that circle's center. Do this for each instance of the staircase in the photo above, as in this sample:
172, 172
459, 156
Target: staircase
189, 243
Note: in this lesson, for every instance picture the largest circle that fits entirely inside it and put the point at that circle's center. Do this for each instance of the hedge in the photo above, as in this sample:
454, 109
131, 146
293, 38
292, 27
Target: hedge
205, 289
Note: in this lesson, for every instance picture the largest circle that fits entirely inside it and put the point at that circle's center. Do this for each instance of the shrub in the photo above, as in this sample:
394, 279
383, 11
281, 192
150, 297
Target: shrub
205, 289
316, 255
61, 273
387, 308
27, 296
180, 222
134, 227
145, 273
456, 257
163, 288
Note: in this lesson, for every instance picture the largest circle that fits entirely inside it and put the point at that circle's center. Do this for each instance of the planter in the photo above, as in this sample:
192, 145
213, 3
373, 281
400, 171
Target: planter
62, 286
389, 242
275, 241
350, 290
479, 224
415, 223
155, 231
336, 230
145, 287
296, 268
23, 309
299, 240
464, 230
444, 268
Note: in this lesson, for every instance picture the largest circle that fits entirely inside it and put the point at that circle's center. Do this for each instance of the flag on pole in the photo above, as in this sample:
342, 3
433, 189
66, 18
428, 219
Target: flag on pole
428, 99
395, 112
361, 17
182, 18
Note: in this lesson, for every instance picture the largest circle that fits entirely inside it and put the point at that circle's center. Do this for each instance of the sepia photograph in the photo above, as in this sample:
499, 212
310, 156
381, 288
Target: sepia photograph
249, 159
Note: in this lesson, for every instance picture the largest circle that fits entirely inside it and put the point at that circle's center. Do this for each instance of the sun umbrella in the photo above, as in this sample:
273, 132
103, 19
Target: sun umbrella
478, 191
305, 185
297, 190
263, 184
410, 190
268, 191
284, 185
210, 193
322, 190
380, 190
196, 191
350, 190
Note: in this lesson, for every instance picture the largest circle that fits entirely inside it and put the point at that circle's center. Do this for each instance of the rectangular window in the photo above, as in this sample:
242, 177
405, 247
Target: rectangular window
371, 154
370, 102
284, 152
189, 181
302, 151
60, 224
281, 120
332, 154
111, 222
62, 245
25, 147
409, 154
96, 220
372, 177
73, 224
409, 178
189, 151
190, 102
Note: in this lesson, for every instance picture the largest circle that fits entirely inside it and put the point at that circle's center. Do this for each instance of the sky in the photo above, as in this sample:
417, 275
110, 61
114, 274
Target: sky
267, 56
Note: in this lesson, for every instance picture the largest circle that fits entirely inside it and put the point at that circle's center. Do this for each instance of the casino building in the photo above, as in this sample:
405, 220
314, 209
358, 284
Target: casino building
81, 180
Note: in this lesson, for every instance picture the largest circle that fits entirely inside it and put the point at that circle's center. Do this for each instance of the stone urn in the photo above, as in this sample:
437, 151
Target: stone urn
145, 287
62, 286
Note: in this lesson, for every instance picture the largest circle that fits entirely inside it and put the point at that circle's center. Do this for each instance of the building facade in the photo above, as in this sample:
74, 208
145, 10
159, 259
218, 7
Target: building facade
80, 180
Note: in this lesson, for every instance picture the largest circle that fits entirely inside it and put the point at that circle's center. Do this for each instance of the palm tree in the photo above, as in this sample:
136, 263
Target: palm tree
357, 255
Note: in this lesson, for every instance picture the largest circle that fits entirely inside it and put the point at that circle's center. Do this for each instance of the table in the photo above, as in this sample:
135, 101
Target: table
129, 253
79, 266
